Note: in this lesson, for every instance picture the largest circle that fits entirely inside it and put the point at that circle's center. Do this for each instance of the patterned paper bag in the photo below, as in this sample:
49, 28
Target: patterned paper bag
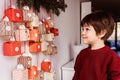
6, 27
22, 34
25, 60
27, 14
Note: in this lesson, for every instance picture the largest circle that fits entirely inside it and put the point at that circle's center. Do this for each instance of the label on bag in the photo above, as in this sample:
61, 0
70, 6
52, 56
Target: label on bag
34, 73
38, 46
16, 49
36, 35
18, 15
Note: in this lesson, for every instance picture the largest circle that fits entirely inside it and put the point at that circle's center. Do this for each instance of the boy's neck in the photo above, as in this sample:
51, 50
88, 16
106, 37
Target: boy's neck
98, 45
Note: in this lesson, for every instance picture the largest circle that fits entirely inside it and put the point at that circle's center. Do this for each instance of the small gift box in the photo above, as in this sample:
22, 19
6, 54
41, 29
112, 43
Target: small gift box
11, 48
34, 47
20, 73
34, 35
46, 65
22, 34
6, 27
32, 72
26, 61
14, 15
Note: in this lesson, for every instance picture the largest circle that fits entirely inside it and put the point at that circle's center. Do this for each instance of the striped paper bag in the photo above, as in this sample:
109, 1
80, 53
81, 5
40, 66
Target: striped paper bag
6, 28
20, 74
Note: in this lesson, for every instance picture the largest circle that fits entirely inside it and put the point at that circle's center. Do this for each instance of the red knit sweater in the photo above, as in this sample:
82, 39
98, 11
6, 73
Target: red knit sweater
100, 64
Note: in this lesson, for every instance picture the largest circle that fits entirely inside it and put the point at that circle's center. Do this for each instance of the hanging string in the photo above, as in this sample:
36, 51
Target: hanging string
37, 59
4, 4
10, 3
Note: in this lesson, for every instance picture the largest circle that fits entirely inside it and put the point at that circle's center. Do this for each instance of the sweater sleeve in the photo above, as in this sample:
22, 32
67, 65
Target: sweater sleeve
76, 68
114, 68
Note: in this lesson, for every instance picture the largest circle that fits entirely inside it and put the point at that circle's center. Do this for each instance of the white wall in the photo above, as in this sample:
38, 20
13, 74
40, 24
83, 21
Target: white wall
68, 24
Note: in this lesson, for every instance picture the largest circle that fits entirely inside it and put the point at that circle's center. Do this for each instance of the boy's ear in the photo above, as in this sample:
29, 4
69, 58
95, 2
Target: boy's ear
102, 34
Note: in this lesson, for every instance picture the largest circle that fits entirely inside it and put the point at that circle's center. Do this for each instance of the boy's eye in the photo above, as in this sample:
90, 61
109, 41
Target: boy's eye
85, 29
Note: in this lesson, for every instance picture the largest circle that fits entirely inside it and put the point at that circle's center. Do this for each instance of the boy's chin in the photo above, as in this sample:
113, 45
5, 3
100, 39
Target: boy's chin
85, 42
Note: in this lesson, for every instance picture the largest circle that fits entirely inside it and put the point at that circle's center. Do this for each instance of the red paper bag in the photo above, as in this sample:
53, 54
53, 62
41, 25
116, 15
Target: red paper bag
54, 31
32, 72
46, 65
34, 47
11, 48
14, 15
34, 35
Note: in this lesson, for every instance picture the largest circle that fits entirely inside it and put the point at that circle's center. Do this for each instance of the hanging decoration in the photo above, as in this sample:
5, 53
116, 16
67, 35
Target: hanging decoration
52, 6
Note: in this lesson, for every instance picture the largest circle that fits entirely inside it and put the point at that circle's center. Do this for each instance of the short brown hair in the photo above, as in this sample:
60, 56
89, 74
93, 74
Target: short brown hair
100, 20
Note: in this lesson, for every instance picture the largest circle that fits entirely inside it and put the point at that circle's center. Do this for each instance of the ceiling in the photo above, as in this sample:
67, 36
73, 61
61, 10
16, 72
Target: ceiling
112, 6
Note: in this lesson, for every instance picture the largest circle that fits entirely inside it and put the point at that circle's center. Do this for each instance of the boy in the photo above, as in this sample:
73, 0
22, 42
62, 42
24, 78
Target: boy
98, 61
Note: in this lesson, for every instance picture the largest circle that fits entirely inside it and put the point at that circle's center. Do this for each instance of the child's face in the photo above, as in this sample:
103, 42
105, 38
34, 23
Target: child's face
89, 35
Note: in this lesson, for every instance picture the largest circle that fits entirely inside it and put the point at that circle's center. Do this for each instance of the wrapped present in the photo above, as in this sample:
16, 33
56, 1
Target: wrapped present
46, 65
27, 14
35, 47
20, 74
26, 61
34, 35
6, 27
32, 72
49, 75
14, 15
22, 34
11, 48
